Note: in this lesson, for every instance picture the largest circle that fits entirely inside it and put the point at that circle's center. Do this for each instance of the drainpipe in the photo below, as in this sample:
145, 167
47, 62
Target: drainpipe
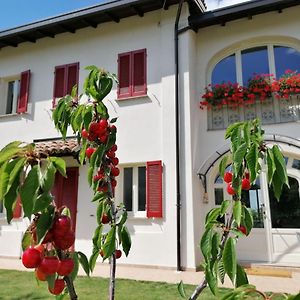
177, 148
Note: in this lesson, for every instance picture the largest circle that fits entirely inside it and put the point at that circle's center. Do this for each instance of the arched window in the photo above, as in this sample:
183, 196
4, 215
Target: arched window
239, 67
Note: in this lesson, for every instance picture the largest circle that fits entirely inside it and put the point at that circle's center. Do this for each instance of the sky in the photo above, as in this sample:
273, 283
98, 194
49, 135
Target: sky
14, 13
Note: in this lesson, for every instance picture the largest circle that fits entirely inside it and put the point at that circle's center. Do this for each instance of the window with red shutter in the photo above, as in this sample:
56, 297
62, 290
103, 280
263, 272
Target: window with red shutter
139, 86
124, 88
132, 74
24, 92
72, 77
154, 189
65, 77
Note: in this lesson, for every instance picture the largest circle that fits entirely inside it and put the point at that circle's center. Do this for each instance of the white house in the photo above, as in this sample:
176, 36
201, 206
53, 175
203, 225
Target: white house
159, 120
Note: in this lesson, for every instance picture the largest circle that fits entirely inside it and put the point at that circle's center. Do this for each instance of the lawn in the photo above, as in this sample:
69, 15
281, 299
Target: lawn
15, 285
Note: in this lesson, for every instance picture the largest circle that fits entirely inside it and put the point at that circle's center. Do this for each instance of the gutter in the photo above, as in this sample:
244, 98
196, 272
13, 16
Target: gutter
177, 147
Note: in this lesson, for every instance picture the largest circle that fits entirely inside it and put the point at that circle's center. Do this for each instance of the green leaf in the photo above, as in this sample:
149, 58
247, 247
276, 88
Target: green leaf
93, 258
99, 196
205, 243
181, 290
82, 152
90, 175
26, 240
84, 262
237, 212
126, 240
42, 202
221, 271
87, 116
211, 280
238, 157
28, 191
15, 173
109, 245
271, 164
252, 162
229, 258
212, 215
74, 273
222, 166
97, 238
59, 164
10, 199
44, 223
231, 128
215, 245
114, 120
277, 185
241, 276
105, 87
247, 133
248, 219
10, 150
280, 165
49, 177
224, 206
100, 210
123, 218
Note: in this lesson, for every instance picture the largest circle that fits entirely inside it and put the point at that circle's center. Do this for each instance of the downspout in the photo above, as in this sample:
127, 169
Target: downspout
177, 148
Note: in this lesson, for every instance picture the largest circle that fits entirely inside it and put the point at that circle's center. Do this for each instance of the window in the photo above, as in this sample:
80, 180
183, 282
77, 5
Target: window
65, 78
141, 189
251, 198
132, 74
239, 67
15, 92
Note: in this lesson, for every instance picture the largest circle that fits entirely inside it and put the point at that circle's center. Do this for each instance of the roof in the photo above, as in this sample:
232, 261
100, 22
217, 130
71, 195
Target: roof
243, 10
56, 147
91, 16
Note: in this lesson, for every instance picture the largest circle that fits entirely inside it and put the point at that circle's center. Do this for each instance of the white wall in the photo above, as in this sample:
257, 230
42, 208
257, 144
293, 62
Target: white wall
145, 125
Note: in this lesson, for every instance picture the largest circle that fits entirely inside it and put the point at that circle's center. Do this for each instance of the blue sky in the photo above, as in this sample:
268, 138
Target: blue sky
14, 13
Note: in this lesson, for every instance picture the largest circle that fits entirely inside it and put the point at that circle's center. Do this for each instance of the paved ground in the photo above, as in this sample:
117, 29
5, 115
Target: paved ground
282, 279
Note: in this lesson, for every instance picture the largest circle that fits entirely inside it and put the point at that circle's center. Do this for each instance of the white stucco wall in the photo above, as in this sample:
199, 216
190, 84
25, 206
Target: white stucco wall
213, 43
145, 125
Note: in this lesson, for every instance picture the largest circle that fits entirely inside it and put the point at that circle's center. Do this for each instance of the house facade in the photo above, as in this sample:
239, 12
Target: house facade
40, 62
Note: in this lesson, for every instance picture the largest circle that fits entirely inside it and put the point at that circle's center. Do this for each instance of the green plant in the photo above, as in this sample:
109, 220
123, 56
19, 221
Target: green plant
218, 243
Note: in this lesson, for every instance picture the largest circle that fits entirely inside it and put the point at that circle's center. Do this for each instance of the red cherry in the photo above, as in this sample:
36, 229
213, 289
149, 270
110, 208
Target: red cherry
114, 161
49, 265
103, 138
114, 148
103, 123
113, 128
93, 128
66, 266
59, 286
62, 225
103, 189
84, 133
118, 253
40, 275
230, 189
242, 229
92, 136
246, 184
115, 171
105, 219
111, 154
227, 177
65, 241
31, 258
113, 182
89, 151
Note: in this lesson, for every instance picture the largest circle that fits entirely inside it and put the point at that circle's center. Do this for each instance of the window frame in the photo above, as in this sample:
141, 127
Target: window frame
131, 93
135, 213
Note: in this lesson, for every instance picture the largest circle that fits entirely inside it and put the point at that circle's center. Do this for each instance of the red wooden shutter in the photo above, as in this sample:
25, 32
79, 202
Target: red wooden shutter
17, 213
24, 92
59, 82
72, 71
154, 189
124, 87
139, 85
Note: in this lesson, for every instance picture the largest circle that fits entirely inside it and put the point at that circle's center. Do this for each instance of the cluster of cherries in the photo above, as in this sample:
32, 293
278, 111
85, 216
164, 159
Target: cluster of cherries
246, 185
43, 258
98, 132
105, 220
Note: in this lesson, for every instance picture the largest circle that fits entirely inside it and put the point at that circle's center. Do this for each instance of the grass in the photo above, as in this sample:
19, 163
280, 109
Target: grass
16, 285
